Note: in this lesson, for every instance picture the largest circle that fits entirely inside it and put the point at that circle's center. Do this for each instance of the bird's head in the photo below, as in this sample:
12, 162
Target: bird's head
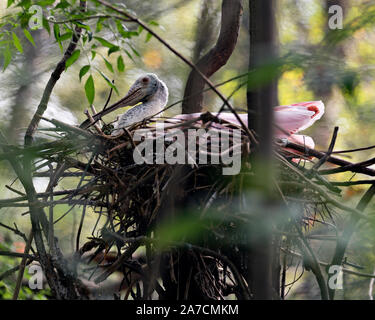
144, 89
147, 89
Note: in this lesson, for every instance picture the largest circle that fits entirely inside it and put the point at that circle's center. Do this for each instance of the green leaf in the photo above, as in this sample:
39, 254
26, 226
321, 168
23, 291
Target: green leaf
120, 64
113, 49
93, 54
153, 23
25, 4
44, 3
108, 65
83, 71
99, 25
29, 36
90, 89
17, 42
10, 2
73, 58
7, 57
135, 51
56, 31
46, 25
109, 82
140, 29
65, 36
125, 33
63, 5
148, 37
104, 42
129, 55
82, 25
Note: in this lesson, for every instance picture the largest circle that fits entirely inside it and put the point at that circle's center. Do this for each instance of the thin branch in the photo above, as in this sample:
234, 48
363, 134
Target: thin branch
329, 152
218, 56
22, 266
337, 161
349, 229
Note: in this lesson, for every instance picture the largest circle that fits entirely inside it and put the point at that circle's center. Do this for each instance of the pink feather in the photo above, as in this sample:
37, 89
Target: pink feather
288, 120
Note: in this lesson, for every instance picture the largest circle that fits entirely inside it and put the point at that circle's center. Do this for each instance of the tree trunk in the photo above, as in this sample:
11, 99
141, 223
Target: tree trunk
263, 261
217, 57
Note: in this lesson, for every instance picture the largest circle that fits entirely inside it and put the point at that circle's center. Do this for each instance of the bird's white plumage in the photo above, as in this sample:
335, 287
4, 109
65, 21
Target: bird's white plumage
152, 92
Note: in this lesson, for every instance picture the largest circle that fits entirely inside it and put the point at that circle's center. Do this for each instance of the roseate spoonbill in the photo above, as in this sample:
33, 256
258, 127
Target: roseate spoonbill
153, 95
148, 89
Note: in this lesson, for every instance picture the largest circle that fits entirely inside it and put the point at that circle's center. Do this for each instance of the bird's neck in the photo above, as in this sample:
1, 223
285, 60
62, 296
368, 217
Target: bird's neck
158, 101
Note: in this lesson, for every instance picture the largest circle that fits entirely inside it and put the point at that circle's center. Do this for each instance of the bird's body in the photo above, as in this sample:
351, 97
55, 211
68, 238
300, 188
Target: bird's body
148, 89
289, 120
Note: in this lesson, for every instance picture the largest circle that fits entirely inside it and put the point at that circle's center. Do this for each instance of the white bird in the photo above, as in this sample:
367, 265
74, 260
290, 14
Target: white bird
148, 89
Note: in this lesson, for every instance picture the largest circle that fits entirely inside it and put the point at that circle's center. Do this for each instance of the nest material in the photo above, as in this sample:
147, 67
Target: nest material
134, 198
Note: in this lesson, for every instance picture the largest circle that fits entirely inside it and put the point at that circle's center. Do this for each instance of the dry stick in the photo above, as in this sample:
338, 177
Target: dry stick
109, 97
12, 270
240, 281
20, 174
329, 152
349, 229
39, 204
326, 264
322, 192
15, 231
37, 214
89, 116
337, 161
352, 183
350, 167
187, 61
123, 257
354, 150
16, 255
308, 251
136, 242
44, 194
80, 227
14, 190
22, 266
93, 110
314, 263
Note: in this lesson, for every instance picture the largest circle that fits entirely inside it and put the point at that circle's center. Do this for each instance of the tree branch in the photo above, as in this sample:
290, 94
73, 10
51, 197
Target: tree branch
218, 56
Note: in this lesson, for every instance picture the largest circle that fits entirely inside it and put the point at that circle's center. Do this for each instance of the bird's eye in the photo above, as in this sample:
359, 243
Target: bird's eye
145, 80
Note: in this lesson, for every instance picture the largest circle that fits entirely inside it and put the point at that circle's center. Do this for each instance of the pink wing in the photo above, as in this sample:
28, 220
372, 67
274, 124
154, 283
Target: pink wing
291, 119
297, 117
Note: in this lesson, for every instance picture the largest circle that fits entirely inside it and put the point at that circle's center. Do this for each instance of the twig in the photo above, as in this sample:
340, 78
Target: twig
22, 266
337, 161
349, 229
326, 264
17, 255
328, 153
317, 188
109, 97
